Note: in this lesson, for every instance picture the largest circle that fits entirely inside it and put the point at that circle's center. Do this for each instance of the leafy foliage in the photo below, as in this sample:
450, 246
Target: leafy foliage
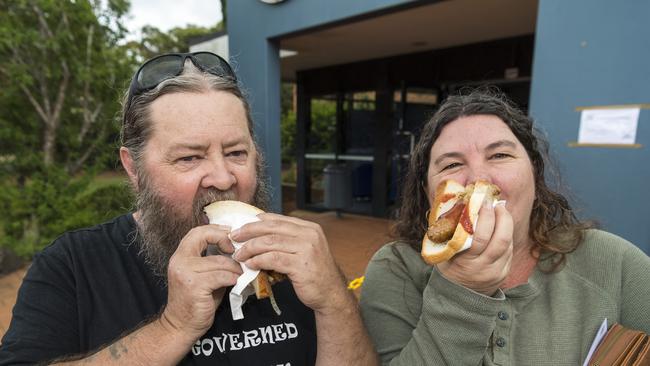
287, 124
154, 41
52, 202
61, 73
323, 126
320, 137
97, 205
63, 68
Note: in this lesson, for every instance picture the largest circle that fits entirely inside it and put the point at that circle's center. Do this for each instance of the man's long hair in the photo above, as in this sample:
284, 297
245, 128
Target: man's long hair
136, 125
554, 228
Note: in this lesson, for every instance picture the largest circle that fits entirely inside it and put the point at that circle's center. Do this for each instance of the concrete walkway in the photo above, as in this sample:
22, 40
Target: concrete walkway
353, 240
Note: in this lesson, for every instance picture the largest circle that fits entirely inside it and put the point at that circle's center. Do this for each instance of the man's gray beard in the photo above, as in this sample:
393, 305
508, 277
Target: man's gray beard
162, 226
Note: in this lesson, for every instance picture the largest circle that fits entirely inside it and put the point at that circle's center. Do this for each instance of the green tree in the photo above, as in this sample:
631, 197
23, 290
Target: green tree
62, 69
154, 41
287, 123
224, 14
320, 136
323, 124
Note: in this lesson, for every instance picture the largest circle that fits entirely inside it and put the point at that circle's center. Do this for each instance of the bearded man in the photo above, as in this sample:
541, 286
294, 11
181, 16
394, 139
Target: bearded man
139, 290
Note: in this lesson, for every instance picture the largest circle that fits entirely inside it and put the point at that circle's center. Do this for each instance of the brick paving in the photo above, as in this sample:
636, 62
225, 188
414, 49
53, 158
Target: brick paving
8, 290
353, 240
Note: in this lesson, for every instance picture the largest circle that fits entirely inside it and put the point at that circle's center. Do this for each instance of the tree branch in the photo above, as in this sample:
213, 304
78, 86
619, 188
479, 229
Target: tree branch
60, 99
42, 22
34, 103
89, 120
44, 109
76, 166
45, 95
87, 98
46, 33
53, 112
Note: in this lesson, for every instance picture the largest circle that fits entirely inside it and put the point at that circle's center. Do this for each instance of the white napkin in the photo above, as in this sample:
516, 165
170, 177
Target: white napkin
243, 288
468, 241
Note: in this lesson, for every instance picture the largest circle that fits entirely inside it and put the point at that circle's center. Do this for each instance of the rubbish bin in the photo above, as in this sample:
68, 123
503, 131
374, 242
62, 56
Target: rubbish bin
337, 186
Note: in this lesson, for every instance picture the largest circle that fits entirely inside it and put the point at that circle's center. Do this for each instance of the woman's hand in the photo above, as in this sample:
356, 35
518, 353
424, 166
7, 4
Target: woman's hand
484, 266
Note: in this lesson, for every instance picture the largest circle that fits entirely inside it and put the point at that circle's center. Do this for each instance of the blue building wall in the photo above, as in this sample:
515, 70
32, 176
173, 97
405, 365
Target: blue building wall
587, 53
252, 26
595, 53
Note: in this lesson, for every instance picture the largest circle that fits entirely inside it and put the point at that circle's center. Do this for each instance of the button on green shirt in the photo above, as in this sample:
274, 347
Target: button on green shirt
417, 317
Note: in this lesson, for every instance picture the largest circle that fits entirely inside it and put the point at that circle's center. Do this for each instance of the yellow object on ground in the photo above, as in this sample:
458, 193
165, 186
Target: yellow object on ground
356, 283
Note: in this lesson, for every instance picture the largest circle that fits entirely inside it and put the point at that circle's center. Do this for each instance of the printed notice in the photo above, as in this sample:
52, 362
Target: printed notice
608, 126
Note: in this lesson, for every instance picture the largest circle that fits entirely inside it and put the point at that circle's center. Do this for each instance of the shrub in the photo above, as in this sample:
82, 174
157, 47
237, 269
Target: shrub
99, 205
39, 209
288, 137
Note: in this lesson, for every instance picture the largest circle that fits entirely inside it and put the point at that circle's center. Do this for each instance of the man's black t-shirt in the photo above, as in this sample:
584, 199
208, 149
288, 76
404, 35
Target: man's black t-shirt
91, 287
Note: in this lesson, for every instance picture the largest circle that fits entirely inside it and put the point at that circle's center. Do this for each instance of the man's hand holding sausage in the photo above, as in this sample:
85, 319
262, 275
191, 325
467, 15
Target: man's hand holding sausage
299, 249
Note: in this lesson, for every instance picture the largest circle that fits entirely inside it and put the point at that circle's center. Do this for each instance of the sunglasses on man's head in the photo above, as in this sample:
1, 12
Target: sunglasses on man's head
167, 66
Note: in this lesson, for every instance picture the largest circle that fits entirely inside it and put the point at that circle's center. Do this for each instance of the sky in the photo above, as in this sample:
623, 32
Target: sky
167, 14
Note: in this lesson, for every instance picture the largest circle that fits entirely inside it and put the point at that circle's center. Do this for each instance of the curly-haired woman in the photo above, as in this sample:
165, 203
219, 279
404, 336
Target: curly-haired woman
537, 282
